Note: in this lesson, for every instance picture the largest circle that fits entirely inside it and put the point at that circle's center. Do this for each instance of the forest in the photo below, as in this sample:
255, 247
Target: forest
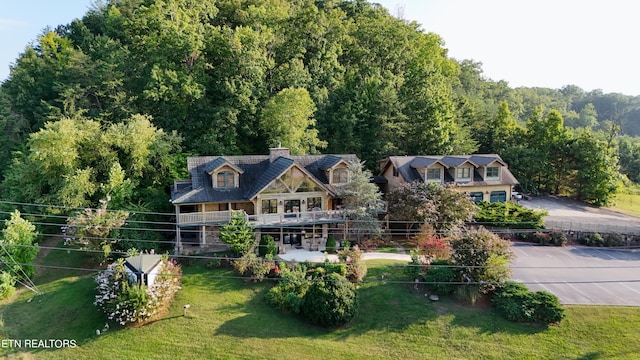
111, 104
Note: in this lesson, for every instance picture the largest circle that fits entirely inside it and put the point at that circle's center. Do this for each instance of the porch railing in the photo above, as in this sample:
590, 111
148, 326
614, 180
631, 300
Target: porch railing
221, 217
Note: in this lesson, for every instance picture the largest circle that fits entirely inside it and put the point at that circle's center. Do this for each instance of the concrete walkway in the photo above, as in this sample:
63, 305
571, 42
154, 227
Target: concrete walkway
318, 256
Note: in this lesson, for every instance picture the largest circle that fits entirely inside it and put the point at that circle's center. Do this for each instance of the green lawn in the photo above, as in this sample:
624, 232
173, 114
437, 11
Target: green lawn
627, 203
229, 319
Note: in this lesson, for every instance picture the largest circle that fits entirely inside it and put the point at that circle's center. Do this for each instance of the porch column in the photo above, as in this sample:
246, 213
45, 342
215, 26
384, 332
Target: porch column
178, 246
203, 234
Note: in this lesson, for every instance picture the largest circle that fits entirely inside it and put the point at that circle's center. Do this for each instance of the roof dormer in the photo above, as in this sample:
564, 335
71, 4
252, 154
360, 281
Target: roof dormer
224, 175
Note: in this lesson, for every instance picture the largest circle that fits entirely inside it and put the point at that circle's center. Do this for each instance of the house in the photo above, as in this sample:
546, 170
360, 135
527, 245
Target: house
143, 268
293, 198
485, 177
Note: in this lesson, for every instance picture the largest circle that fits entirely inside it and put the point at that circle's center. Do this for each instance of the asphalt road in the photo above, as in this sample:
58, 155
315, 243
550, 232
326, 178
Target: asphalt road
580, 275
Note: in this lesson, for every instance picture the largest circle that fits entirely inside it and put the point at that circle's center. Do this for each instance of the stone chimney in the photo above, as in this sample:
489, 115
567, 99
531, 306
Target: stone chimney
275, 153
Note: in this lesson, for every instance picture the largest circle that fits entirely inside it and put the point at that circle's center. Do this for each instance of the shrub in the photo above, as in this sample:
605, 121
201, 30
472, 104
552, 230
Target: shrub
356, 267
330, 301
612, 240
416, 267
512, 300
547, 308
438, 274
267, 246
558, 238
516, 303
541, 238
594, 239
287, 295
331, 244
340, 269
509, 215
252, 266
7, 285
127, 303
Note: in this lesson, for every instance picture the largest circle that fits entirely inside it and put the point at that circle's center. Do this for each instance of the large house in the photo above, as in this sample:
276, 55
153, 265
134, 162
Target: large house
485, 177
293, 198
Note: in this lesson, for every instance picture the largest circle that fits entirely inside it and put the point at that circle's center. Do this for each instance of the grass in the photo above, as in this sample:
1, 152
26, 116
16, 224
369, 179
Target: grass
627, 203
229, 319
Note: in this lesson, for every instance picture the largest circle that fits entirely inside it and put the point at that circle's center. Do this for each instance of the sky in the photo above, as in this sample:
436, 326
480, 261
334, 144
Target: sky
541, 43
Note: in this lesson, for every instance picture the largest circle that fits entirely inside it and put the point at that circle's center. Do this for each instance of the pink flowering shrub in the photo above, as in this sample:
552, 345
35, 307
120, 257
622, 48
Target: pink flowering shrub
126, 302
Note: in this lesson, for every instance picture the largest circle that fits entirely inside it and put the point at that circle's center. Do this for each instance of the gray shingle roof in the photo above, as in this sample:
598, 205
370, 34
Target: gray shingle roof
407, 167
257, 173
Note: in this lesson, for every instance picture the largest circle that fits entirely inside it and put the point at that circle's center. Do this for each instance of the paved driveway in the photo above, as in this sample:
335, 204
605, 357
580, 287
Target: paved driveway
580, 275
568, 214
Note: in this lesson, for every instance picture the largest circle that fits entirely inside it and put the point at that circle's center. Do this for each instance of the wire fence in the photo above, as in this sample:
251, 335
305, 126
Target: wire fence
593, 227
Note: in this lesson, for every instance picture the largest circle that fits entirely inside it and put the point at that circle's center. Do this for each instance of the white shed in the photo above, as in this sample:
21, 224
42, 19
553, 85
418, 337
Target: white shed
143, 268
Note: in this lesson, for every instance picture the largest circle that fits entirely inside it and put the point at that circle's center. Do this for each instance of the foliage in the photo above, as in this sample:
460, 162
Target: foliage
267, 246
330, 301
363, 201
558, 238
238, 234
356, 267
430, 245
510, 215
417, 266
331, 244
481, 257
288, 293
7, 285
19, 247
127, 302
95, 229
287, 118
439, 277
516, 303
445, 208
541, 238
253, 266
597, 240
76, 161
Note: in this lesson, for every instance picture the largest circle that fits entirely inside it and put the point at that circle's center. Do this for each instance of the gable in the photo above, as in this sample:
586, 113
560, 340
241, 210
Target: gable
293, 179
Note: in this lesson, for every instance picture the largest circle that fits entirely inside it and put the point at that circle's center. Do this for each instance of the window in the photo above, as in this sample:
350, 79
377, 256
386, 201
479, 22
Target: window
463, 173
314, 203
476, 196
339, 176
292, 206
498, 196
395, 172
226, 179
433, 174
269, 206
493, 172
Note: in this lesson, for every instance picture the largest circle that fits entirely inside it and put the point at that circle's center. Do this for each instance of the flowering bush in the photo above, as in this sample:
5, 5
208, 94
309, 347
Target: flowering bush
95, 229
127, 302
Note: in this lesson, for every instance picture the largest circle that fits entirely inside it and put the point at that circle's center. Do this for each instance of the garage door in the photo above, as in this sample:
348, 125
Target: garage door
498, 196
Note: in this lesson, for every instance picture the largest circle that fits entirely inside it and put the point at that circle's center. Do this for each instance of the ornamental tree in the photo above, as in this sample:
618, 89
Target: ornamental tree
95, 229
482, 258
238, 234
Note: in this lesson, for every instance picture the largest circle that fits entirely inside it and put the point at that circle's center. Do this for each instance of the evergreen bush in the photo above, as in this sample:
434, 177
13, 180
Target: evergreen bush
330, 301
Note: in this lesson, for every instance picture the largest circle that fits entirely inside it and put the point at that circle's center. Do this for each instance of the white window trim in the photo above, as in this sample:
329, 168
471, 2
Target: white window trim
464, 179
487, 177
438, 180
235, 179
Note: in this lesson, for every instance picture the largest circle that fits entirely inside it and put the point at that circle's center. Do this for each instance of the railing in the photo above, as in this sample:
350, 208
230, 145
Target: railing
204, 217
299, 217
221, 217
630, 229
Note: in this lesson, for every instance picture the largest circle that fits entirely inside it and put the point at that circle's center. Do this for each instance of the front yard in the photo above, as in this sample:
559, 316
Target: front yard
229, 318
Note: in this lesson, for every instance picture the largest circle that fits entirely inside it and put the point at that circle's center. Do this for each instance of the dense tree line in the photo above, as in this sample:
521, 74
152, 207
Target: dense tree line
111, 95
